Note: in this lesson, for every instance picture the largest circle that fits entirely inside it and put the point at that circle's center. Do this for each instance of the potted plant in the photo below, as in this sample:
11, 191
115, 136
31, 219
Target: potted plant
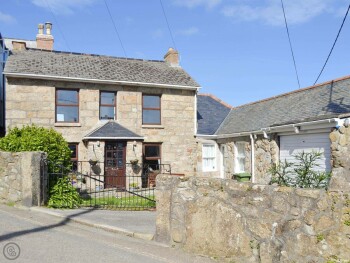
133, 186
242, 177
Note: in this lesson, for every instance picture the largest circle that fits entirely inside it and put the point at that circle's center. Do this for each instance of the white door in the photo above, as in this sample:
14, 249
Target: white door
292, 144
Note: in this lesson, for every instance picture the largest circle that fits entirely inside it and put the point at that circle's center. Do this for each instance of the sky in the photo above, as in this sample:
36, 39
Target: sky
237, 50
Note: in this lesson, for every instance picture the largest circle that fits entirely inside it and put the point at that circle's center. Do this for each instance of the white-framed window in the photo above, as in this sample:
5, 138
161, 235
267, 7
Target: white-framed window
209, 157
239, 157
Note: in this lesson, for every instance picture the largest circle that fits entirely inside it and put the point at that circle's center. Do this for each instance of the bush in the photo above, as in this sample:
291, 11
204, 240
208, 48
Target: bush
33, 138
300, 174
64, 195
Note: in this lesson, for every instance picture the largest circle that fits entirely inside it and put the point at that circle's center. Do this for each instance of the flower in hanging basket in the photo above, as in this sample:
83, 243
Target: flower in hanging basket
93, 162
134, 162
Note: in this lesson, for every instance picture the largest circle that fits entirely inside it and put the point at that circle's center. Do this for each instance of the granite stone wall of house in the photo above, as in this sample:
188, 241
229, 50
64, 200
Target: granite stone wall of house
266, 153
244, 222
20, 178
340, 150
33, 102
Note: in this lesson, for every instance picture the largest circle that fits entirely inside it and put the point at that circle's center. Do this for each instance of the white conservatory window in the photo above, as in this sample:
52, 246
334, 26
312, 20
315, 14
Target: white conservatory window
240, 157
209, 157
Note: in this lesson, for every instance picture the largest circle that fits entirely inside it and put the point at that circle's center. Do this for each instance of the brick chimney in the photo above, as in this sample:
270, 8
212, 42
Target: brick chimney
44, 40
172, 57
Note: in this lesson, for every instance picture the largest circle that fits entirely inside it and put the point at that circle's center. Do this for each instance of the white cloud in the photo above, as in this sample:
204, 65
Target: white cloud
195, 3
270, 11
7, 18
65, 7
188, 31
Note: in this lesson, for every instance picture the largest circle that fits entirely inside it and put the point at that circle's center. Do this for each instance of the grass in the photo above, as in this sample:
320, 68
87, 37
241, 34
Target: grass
124, 202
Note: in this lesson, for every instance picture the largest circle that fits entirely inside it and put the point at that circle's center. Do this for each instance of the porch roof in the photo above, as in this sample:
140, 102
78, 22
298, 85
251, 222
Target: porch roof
112, 131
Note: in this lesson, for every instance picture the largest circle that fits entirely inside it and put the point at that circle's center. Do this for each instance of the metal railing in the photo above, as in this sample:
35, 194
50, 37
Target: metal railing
127, 187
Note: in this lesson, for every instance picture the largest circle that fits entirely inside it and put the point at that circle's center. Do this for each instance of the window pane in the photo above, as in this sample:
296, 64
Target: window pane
151, 116
107, 98
67, 96
106, 113
67, 114
73, 148
151, 101
152, 151
241, 162
208, 151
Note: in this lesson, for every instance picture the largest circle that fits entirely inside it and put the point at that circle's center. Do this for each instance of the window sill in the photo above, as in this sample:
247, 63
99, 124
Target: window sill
67, 124
155, 126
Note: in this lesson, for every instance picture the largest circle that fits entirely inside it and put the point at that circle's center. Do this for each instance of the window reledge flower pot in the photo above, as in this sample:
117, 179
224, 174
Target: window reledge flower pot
242, 177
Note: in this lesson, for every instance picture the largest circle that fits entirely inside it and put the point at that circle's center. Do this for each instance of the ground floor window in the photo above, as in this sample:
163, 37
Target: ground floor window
151, 163
209, 157
239, 157
74, 155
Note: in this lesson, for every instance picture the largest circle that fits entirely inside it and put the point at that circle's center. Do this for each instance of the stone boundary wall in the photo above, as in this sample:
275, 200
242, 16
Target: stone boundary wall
243, 222
20, 178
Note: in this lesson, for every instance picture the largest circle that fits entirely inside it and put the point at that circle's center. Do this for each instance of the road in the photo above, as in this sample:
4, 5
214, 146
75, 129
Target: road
45, 238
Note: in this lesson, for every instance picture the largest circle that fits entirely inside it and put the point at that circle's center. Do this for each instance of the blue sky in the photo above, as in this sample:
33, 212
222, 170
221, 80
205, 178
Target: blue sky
235, 49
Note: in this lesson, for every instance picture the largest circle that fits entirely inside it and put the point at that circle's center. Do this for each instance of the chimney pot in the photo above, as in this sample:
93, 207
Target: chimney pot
48, 26
172, 57
41, 29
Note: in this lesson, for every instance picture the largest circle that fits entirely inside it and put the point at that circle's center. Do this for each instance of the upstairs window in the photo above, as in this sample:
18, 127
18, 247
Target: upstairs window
209, 157
240, 157
151, 109
67, 105
107, 105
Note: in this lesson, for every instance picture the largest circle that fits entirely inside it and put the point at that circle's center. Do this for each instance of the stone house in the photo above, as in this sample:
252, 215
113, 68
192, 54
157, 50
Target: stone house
110, 109
258, 134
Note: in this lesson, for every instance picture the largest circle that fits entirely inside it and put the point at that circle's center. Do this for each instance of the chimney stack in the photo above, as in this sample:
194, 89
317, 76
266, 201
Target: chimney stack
44, 41
172, 57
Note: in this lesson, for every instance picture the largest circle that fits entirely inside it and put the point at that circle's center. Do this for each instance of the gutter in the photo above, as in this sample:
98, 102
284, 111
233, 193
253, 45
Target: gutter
206, 136
113, 138
120, 82
337, 121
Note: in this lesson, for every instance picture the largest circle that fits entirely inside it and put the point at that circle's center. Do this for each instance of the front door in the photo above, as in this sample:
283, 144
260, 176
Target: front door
115, 155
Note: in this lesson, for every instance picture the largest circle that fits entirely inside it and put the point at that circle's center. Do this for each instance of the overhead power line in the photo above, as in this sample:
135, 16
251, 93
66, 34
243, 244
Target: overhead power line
58, 25
290, 43
115, 29
167, 22
335, 41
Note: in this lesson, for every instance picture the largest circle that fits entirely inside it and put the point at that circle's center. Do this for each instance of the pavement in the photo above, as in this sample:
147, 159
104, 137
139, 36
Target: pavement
31, 236
138, 224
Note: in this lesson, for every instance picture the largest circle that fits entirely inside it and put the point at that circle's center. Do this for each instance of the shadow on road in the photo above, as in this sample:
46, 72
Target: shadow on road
42, 228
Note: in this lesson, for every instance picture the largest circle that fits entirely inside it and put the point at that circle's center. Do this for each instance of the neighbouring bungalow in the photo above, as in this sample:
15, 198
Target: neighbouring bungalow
256, 135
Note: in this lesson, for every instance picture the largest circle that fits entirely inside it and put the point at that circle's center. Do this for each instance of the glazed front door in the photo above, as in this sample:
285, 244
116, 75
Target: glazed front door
115, 155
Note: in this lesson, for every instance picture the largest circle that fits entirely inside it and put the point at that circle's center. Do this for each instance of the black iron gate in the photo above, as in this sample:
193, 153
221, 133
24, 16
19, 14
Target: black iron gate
132, 190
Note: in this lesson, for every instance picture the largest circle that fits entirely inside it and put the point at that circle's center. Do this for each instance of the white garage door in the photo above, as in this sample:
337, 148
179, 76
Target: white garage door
292, 144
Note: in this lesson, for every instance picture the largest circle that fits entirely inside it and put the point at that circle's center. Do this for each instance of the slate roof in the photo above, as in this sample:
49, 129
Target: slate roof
112, 129
85, 66
326, 100
210, 113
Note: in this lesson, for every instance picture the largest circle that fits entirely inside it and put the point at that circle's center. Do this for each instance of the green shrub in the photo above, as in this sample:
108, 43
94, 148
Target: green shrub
301, 174
64, 195
33, 138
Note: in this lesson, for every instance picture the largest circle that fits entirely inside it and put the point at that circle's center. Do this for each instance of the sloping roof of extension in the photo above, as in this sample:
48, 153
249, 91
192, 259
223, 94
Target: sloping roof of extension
112, 130
63, 65
9, 45
322, 101
211, 111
